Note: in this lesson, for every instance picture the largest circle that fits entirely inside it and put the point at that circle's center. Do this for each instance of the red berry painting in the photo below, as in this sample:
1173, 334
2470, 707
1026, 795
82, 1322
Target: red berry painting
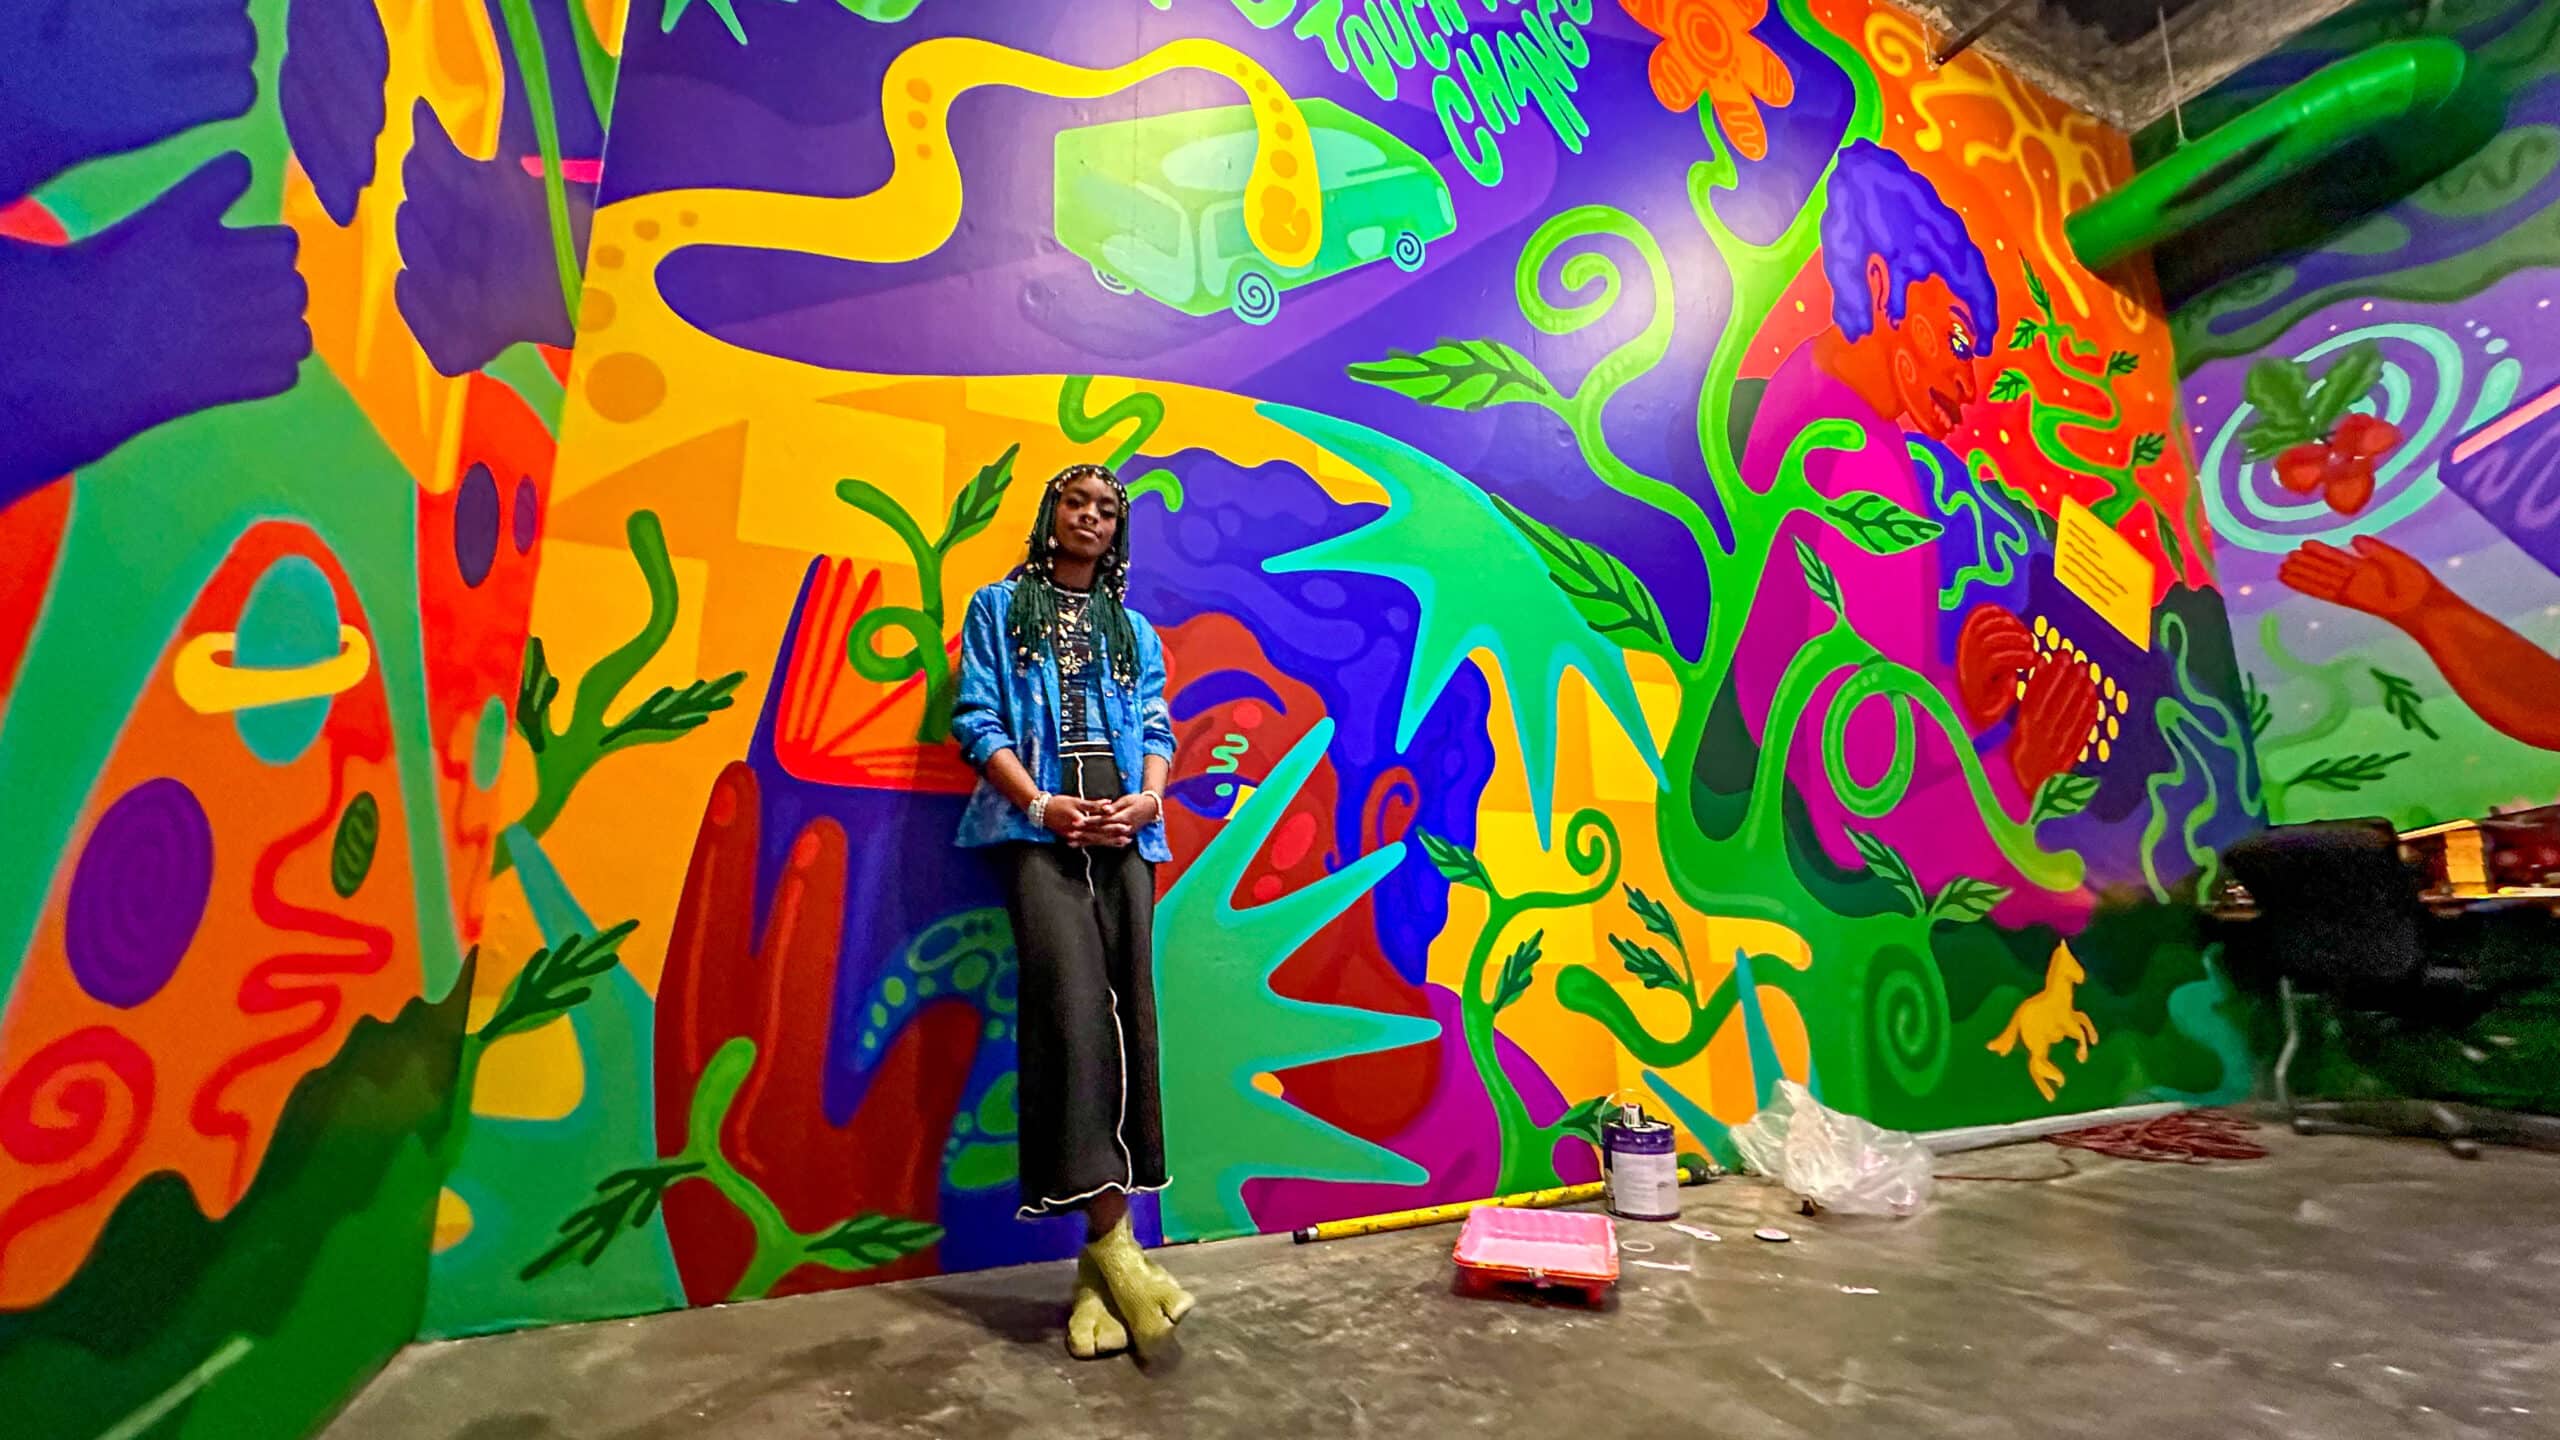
2319, 443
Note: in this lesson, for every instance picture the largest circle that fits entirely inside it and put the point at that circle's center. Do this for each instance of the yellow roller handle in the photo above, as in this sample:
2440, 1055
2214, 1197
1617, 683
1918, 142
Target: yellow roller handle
1443, 1214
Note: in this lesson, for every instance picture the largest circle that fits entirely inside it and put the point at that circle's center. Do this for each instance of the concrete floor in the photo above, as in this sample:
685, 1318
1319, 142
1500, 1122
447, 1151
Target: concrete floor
2340, 1288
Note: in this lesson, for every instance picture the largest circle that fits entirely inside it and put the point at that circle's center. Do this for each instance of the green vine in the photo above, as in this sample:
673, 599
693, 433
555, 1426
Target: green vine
2192, 721
627, 1198
927, 654
2047, 419
1143, 410
563, 757
533, 72
1592, 848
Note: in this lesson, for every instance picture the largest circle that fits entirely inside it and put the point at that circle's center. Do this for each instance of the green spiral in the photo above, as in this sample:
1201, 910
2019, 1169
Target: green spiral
1906, 1011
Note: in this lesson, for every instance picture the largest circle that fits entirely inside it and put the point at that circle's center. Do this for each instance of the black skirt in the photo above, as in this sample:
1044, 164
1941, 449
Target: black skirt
1084, 930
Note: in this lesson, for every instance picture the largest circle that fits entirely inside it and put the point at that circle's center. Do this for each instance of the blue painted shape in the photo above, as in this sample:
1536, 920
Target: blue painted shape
2515, 482
167, 313
85, 79
336, 63
289, 622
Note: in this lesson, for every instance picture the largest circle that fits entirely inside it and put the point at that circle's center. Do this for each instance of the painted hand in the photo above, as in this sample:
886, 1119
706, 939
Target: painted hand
80, 79
167, 313
2376, 579
475, 241
336, 62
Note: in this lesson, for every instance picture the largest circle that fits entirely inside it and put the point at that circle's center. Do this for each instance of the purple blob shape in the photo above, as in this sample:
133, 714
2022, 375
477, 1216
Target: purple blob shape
475, 525
330, 95
525, 514
139, 892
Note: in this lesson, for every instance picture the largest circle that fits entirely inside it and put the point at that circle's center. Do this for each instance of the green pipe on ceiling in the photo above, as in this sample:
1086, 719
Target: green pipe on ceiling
2424, 101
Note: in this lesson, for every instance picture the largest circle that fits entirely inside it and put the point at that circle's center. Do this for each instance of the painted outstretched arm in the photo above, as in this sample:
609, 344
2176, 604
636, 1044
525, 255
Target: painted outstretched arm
2507, 679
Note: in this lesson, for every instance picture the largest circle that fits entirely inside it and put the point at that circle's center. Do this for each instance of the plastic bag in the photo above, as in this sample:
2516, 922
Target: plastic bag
1835, 1160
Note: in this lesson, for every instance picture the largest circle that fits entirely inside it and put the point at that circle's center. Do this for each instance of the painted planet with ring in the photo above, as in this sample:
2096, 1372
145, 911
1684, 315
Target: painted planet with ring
289, 623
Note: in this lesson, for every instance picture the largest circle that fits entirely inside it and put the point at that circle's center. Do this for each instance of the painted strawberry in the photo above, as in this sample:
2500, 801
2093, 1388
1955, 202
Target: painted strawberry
2318, 445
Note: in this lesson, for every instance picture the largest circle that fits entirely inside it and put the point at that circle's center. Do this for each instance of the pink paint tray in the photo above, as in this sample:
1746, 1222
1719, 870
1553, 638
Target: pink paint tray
1564, 1248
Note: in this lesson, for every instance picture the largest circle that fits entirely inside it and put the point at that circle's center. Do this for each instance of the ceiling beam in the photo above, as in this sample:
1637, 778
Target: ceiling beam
2127, 86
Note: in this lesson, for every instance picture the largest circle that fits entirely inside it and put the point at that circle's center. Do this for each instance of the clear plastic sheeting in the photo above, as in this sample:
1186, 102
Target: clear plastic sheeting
1835, 1160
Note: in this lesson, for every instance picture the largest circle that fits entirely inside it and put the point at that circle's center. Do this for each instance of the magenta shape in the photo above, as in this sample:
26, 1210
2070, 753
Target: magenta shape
1453, 1137
525, 514
139, 892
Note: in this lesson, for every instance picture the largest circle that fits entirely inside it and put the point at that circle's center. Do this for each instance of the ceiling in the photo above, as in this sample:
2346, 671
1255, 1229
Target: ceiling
2105, 56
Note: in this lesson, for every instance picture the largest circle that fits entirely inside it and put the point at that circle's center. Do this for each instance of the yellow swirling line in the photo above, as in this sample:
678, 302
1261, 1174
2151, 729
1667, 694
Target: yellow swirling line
918, 207
2065, 137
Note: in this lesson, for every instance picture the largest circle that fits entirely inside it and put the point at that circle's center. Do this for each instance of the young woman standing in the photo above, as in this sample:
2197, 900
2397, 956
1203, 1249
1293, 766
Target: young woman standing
1061, 710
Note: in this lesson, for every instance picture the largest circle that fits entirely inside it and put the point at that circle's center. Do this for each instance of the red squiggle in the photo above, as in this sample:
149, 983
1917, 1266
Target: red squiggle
282, 982
56, 1107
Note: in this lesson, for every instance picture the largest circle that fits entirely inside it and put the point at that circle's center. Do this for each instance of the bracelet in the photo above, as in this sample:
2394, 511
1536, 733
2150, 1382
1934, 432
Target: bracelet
1158, 797
1038, 810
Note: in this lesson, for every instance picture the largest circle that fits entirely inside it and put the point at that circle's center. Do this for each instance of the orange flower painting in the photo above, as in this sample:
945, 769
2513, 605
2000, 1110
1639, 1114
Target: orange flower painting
1708, 50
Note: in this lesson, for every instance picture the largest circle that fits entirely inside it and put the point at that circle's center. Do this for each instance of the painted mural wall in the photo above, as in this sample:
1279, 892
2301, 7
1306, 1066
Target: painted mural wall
285, 286
2372, 421
1672, 579
2374, 424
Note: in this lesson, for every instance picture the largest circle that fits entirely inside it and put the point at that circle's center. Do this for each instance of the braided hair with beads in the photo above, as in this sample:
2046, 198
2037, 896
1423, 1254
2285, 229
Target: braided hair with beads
1032, 622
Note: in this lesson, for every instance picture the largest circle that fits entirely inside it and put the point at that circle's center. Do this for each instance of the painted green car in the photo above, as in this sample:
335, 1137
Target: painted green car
1157, 206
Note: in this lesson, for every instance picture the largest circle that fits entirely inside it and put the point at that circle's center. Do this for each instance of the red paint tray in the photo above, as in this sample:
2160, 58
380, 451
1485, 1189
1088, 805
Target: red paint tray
1567, 1249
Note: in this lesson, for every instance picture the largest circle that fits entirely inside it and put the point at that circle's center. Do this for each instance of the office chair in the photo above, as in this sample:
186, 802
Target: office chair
2340, 912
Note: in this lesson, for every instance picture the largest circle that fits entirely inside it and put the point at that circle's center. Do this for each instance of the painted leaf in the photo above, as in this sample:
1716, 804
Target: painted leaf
976, 505
2025, 333
1890, 867
1646, 964
2280, 391
1518, 971
2346, 381
1655, 915
2062, 796
2399, 698
2011, 384
1459, 375
1825, 586
670, 712
556, 980
2035, 288
1584, 1119
1880, 526
2149, 446
2344, 774
351, 852
1604, 592
2261, 710
868, 1241
624, 1201
534, 694
1966, 898
2123, 362
1455, 862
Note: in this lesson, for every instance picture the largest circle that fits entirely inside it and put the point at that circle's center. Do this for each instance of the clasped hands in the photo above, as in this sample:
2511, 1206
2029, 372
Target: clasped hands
1114, 823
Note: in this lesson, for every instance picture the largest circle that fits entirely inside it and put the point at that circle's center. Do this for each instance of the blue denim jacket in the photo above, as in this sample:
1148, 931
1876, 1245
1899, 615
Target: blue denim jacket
1002, 705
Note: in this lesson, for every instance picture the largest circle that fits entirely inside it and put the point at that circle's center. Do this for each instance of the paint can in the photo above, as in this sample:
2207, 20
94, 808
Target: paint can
1644, 1170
